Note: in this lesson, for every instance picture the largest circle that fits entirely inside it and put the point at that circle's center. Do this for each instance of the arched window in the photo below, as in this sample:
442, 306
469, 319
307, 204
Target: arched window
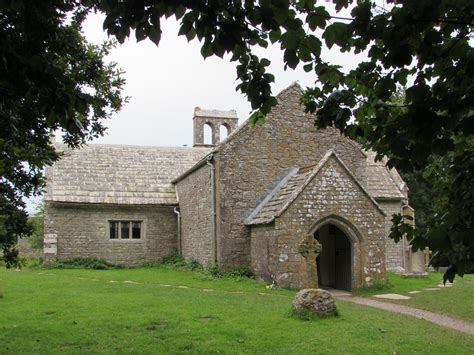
223, 132
207, 133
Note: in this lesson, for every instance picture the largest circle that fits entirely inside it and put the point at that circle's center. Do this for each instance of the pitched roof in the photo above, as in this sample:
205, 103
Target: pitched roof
291, 186
119, 174
382, 182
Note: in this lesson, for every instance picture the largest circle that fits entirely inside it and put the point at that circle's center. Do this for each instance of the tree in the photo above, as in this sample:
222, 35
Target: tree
36, 221
424, 44
50, 79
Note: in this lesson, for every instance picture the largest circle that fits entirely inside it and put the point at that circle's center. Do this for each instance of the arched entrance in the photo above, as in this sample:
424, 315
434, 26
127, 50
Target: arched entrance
335, 261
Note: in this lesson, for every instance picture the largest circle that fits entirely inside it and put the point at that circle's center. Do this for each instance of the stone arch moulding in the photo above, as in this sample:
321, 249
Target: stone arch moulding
355, 238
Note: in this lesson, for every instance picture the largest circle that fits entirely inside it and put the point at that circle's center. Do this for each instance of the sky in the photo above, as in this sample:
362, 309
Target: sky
166, 82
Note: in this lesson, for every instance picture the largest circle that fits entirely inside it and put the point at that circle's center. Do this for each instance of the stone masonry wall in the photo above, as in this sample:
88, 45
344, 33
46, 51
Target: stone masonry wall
332, 192
393, 251
263, 243
194, 193
256, 156
82, 232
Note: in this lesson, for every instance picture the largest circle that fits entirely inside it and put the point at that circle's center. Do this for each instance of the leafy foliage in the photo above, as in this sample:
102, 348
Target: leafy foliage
37, 222
422, 44
50, 79
178, 262
84, 263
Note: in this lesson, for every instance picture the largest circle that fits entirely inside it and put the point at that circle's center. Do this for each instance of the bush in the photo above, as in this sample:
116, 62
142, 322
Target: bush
174, 260
212, 269
194, 265
240, 272
35, 240
178, 262
84, 263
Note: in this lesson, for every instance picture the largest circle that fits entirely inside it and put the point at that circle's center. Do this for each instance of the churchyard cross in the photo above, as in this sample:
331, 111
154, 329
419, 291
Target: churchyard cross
310, 248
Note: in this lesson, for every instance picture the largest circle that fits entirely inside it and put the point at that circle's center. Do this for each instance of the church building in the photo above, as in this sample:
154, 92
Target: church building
246, 201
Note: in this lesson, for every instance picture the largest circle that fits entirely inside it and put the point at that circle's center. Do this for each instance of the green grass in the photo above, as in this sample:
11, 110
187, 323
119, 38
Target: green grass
457, 301
77, 311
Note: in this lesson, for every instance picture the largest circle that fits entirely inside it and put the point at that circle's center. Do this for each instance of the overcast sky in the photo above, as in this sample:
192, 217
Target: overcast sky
165, 83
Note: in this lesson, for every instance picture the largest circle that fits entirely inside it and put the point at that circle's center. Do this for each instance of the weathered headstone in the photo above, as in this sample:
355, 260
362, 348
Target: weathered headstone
416, 259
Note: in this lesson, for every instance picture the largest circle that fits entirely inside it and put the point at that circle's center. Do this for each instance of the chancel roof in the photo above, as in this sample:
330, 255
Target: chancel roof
382, 182
119, 174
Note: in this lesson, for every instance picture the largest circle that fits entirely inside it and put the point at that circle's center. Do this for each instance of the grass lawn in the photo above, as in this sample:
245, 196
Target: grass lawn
156, 310
457, 301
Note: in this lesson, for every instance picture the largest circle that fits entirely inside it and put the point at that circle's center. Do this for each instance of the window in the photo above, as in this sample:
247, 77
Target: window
125, 229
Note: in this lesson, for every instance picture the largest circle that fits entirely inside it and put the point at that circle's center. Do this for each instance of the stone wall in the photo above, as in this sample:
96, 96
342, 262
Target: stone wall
82, 231
331, 196
256, 156
263, 249
393, 251
194, 194
26, 251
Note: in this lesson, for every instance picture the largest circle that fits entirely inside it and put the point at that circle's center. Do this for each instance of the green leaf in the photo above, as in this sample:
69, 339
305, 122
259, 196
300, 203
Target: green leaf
317, 18
206, 49
154, 35
291, 59
264, 62
290, 40
141, 32
335, 34
257, 117
314, 45
275, 35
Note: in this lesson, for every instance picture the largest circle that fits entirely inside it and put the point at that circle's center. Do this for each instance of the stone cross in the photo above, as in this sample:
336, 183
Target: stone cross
310, 248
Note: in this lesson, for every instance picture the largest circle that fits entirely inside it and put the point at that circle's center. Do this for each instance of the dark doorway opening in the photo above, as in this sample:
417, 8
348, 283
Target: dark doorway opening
334, 262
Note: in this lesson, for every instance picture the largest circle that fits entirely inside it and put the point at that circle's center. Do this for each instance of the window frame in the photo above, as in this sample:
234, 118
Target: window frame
130, 229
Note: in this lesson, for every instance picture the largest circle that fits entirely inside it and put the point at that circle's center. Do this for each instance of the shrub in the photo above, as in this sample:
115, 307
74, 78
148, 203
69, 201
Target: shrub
174, 260
84, 263
212, 269
194, 265
240, 272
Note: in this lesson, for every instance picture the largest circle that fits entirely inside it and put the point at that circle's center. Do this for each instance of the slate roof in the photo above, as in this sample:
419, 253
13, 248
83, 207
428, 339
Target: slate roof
382, 182
119, 174
292, 184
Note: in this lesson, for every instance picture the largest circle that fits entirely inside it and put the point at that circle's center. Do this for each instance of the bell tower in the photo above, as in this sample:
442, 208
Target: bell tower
215, 119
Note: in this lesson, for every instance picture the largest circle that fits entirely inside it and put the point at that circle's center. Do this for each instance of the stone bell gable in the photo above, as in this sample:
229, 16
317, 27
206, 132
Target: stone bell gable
308, 199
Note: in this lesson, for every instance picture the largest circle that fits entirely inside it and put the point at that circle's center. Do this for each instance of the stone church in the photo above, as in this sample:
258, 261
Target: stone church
246, 201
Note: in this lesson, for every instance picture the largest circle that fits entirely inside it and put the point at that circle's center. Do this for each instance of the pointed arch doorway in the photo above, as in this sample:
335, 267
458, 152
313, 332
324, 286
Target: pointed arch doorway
335, 261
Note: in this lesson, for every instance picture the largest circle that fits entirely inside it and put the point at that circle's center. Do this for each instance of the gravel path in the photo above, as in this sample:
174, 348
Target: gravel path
439, 319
